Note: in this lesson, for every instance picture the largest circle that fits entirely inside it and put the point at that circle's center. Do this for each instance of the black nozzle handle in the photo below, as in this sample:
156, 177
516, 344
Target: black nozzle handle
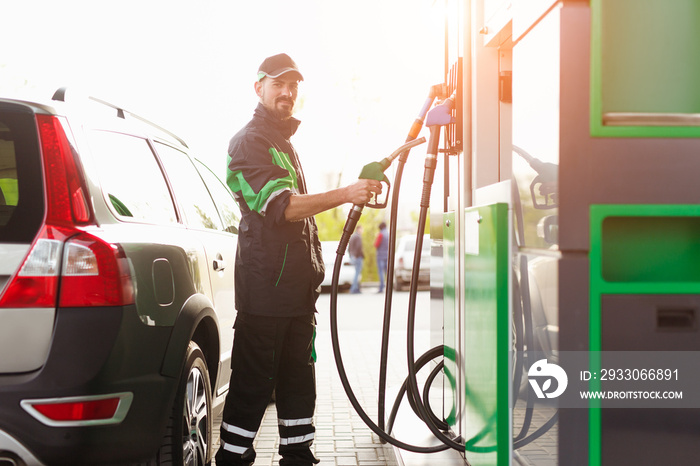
349, 228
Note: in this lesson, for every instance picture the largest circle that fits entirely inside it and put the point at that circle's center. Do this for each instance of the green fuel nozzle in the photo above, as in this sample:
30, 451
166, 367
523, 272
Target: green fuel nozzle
375, 171
372, 171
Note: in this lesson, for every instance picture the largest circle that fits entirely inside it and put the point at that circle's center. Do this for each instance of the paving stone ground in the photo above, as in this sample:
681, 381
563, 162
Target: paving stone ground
342, 438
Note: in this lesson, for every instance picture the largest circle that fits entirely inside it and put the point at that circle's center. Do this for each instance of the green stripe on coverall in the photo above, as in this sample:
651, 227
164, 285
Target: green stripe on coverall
257, 201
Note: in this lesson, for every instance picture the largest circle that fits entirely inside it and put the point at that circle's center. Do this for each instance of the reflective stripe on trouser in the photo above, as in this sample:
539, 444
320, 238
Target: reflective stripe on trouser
270, 353
236, 440
296, 431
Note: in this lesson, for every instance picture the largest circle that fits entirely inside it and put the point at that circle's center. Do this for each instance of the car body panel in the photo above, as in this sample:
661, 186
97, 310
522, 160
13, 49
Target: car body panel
26, 334
181, 270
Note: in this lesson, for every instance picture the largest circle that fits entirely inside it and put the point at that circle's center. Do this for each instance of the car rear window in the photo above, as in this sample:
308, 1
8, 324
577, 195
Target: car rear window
21, 179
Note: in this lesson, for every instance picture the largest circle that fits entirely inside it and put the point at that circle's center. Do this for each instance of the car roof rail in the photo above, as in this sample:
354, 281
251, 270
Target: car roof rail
60, 95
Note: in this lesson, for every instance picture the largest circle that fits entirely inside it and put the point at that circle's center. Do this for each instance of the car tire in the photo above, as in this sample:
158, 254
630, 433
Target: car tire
192, 412
188, 436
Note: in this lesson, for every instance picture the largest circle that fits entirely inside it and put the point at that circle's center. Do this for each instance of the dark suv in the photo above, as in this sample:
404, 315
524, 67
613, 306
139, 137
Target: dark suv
116, 288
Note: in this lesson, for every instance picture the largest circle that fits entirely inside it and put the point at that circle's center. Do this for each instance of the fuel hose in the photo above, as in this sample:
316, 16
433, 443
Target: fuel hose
409, 386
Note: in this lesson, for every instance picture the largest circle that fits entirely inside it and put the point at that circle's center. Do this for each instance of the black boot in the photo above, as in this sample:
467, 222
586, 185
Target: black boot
303, 458
226, 458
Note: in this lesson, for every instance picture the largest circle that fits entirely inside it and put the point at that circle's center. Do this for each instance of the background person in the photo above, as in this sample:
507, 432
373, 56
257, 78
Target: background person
357, 256
381, 243
278, 272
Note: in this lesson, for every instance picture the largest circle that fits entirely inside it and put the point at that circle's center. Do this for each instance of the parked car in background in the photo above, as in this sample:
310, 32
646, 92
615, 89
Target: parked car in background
116, 288
347, 270
403, 262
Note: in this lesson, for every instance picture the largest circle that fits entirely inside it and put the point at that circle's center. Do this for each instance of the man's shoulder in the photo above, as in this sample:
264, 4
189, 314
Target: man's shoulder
253, 128
251, 134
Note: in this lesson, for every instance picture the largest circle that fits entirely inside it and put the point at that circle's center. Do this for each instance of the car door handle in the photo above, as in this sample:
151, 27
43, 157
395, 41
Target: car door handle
219, 263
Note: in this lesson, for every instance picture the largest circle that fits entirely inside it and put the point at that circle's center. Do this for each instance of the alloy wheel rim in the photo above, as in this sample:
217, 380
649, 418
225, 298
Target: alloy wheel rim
195, 420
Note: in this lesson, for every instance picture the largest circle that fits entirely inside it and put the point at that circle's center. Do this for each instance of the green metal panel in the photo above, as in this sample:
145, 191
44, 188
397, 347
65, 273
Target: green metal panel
487, 335
450, 320
643, 62
637, 249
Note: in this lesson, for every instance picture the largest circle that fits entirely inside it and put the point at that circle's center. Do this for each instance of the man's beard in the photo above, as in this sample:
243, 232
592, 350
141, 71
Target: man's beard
283, 113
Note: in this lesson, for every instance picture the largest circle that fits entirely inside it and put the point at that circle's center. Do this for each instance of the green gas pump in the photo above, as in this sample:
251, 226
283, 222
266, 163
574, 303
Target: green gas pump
571, 228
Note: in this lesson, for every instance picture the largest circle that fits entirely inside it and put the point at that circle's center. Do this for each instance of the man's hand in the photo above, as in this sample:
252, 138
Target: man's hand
361, 191
305, 205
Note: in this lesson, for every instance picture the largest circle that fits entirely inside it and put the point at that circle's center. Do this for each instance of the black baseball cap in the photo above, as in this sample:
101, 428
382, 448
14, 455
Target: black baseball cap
277, 65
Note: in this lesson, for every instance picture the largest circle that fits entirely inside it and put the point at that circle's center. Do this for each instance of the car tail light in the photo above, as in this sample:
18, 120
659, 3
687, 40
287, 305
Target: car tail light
65, 189
36, 283
74, 411
67, 265
92, 272
95, 273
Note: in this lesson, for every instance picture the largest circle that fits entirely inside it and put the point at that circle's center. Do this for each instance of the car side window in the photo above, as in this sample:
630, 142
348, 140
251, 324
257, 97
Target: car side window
131, 178
192, 194
228, 209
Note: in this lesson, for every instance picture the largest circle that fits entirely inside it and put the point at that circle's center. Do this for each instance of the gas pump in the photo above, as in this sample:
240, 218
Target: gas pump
565, 222
570, 228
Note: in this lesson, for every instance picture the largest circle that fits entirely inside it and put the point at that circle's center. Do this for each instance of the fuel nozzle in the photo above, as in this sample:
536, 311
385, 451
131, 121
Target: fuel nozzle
438, 117
441, 114
372, 171
375, 171
438, 91
545, 183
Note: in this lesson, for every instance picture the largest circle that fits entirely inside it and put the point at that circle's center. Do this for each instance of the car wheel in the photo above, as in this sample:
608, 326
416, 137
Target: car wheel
193, 404
188, 437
